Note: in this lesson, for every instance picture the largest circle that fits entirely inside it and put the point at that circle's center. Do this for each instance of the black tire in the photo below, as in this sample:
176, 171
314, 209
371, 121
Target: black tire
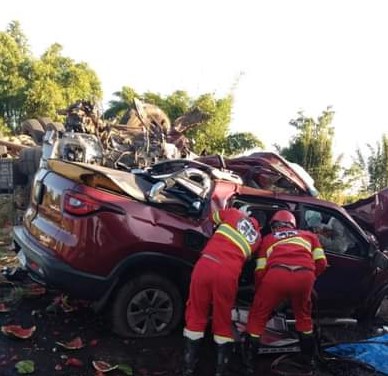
147, 306
56, 126
34, 129
44, 122
29, 160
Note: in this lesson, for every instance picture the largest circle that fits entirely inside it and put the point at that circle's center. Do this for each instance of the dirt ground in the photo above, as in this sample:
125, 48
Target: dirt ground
58, 319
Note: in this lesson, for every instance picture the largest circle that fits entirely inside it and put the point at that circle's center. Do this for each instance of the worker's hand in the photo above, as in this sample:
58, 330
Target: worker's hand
324, 231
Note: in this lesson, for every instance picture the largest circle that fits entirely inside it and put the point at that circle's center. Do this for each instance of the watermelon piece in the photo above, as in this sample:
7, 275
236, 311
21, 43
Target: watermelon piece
101, 366
33, 289
74, 344
75, 362
4, 308
25, 367
18, 331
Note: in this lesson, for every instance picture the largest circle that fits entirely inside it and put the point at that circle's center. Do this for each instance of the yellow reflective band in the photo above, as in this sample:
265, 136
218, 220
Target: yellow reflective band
295, 240
216, 217
192, 334
261, 263
220, 340
236, 237
318, 254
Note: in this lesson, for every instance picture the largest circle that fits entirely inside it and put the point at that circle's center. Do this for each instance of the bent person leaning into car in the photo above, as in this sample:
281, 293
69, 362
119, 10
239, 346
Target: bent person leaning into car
214, 283
289, 260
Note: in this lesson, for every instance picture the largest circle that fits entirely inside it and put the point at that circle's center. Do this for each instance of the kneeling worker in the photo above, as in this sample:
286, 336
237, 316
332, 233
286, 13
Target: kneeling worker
289, 260
214, 284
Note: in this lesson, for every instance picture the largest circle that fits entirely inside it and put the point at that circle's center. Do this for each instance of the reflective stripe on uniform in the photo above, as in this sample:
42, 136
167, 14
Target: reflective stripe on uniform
318, 254
295, 240
236, 237
192, 334
216, 217
220, 340
261, 263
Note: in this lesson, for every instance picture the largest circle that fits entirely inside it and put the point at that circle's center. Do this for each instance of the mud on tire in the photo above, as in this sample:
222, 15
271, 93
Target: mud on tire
147, 306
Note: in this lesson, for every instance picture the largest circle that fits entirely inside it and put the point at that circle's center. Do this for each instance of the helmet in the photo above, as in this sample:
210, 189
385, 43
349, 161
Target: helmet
283, 217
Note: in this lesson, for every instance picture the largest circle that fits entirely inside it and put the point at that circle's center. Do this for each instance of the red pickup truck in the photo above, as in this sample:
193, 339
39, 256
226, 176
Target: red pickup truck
128, 240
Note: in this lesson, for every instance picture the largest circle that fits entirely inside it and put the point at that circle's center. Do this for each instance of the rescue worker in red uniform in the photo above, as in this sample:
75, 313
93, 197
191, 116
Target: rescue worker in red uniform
289, 260
214, 284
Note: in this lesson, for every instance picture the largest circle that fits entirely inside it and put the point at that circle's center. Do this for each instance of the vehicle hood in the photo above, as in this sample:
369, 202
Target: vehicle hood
267, 170
372, 214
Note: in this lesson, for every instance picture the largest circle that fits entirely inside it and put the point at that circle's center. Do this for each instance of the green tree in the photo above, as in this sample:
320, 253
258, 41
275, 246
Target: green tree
236, 143
177, 104
311, 147
117, 107
57, 81
373, 167
15, 31
12, 80
211, 135
39, 87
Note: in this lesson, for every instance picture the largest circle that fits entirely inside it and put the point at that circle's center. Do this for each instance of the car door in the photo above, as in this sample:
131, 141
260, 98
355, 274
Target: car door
262, 209
349, 276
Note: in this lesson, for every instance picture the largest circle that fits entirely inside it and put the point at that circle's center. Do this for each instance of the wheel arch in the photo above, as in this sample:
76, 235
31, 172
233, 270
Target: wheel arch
173, 268
372, 304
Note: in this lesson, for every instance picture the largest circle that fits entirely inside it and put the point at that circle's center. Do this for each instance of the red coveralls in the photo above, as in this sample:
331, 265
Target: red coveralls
279, 253
214, 280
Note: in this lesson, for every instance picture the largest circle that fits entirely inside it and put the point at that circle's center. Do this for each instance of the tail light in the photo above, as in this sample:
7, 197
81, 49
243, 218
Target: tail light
77, 203
80, 204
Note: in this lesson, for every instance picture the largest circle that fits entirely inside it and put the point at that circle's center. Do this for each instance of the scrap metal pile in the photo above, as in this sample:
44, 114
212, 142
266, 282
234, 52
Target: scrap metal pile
143, 137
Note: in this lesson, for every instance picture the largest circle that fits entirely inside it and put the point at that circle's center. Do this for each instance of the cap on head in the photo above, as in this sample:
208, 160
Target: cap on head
283, 218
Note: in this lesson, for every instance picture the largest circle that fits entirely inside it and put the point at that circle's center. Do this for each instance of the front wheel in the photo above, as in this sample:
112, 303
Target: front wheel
147, 306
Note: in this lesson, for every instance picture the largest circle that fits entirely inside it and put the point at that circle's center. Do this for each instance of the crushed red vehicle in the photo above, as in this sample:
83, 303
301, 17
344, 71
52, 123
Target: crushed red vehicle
128, 240
372, 214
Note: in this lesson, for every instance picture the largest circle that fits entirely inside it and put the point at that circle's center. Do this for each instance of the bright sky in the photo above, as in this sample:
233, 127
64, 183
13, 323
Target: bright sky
290, 55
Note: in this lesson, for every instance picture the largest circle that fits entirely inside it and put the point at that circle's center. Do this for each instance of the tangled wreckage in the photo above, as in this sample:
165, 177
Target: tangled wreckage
145, 139
144, 136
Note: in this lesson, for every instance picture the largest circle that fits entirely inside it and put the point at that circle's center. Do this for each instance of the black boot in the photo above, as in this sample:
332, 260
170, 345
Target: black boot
308, 350
250, 348
224, 353
191, 356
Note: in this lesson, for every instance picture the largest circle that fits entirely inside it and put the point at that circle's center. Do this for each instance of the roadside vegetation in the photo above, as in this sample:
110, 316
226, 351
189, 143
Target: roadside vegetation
39, 87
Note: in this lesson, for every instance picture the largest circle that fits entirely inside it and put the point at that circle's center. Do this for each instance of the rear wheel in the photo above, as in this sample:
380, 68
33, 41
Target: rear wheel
147, 306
